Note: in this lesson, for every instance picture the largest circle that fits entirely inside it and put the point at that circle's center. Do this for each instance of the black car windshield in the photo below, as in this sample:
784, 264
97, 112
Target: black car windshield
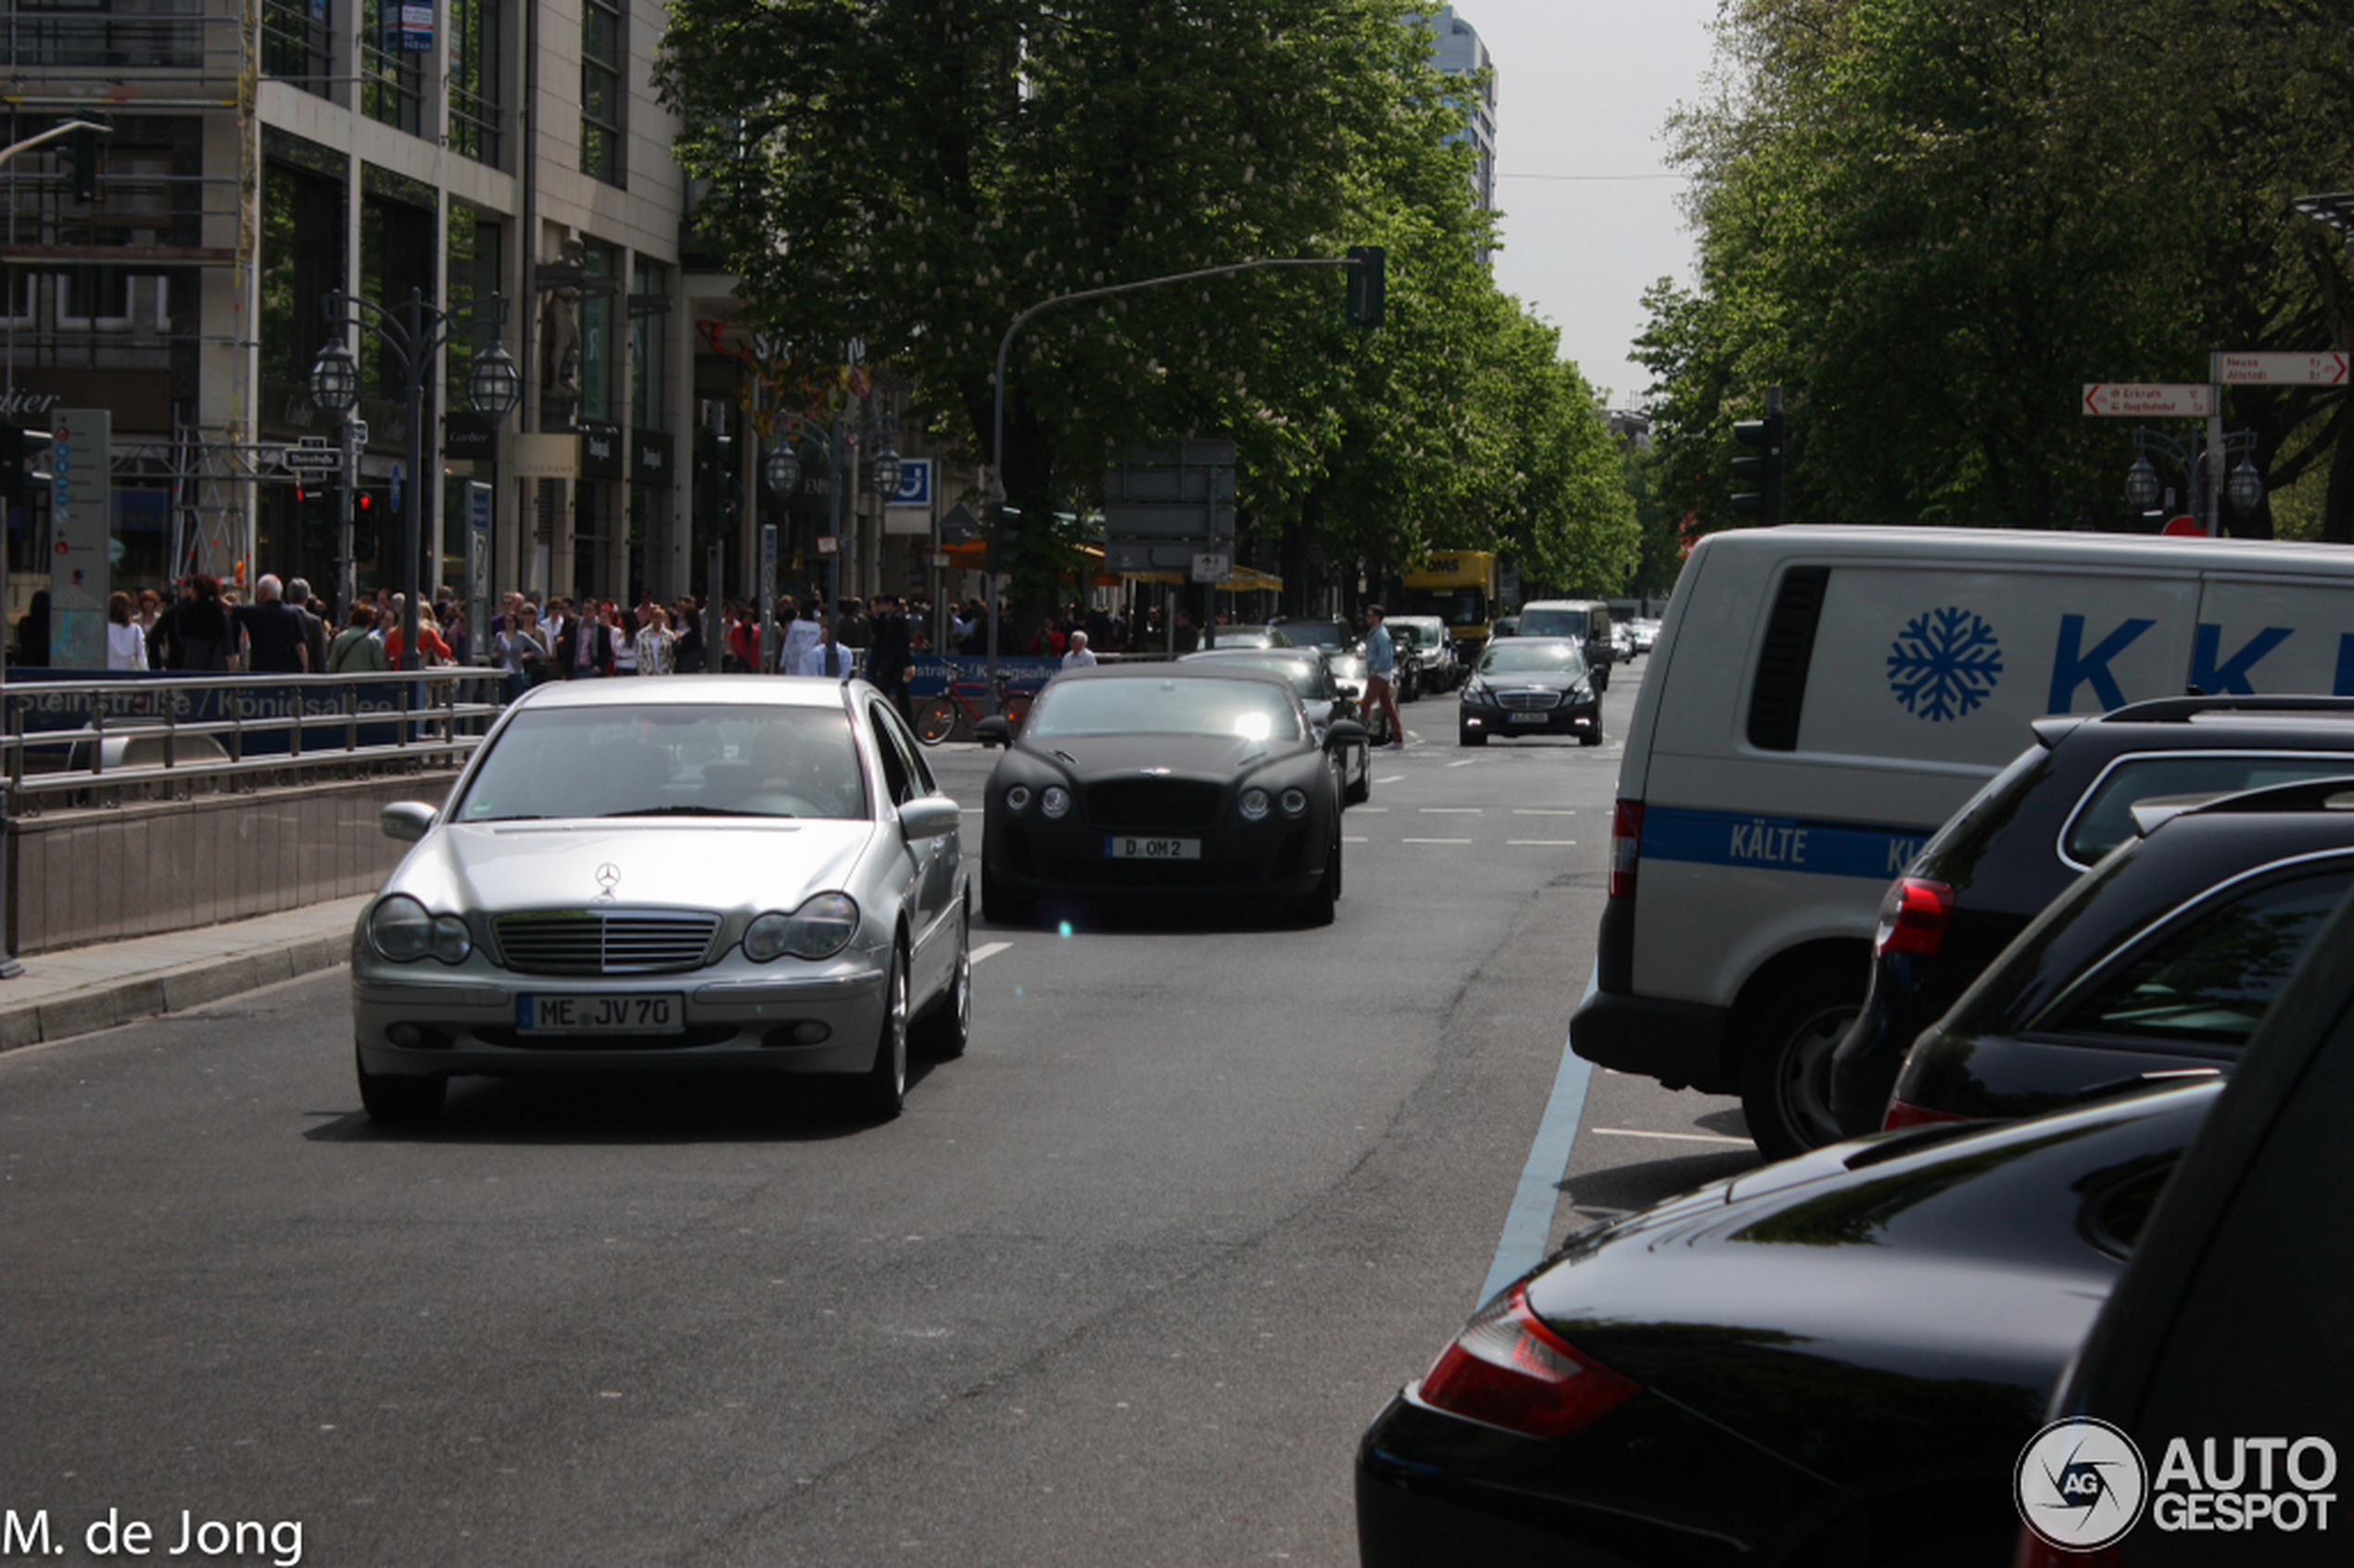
1521, 655
1169, 706
716, 759
2106, 820
1305, 671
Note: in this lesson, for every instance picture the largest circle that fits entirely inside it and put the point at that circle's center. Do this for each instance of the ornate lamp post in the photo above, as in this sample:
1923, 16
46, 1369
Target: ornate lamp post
841, 436
2190, 455
414, 334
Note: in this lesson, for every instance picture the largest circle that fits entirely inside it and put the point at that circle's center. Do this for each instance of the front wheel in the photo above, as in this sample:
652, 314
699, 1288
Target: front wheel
1000, 904
882, 1088
935, 721
1319, 907
944, 1033
395, 1100
1786, 1076
1591, 736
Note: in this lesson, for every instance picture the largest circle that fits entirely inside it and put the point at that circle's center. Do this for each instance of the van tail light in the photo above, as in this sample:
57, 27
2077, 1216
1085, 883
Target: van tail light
1507, 1369
1902, 1114
1912, 918
1626, 847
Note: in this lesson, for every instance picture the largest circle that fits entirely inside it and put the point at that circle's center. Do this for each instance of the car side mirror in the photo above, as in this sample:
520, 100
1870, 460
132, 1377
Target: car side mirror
407, 820
1346, 732
993, 731
933, 817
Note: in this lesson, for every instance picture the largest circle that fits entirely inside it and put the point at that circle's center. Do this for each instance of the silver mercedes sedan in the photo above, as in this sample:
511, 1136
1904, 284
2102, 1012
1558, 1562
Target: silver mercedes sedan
697, 871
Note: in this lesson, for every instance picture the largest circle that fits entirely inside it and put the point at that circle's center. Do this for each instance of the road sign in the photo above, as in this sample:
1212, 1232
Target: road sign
2280, 369
1212, 568
915, 483
2146, 401
312, 457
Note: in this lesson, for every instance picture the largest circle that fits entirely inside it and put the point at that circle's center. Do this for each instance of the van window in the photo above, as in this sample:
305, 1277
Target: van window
1552, 623
2106, 820
1780, 696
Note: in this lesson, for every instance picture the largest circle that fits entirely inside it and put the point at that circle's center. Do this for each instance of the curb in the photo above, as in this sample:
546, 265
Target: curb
105, 1004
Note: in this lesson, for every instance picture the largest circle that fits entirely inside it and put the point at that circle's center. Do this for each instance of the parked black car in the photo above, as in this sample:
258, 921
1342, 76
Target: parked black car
2055, 810
2231, 1322
1530, 686
1199, 778
2160, 960
1341, 645
1836, 1358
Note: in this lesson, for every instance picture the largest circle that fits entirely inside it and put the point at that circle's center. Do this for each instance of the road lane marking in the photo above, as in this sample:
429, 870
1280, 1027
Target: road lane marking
1390, 779
1433, 840
1450, 810
988, 949
1673, 1137
1465, 762
1347, 840
1528, 1224
1541, 811
1540, 844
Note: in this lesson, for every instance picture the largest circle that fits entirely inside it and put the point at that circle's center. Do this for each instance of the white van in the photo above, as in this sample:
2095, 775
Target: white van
1820, 699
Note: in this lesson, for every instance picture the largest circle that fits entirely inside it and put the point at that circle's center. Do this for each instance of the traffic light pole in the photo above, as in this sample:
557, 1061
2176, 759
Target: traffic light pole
355, 435
1366, 262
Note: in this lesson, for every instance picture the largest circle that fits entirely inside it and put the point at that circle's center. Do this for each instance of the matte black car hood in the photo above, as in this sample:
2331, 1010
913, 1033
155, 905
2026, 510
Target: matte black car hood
1925, 1290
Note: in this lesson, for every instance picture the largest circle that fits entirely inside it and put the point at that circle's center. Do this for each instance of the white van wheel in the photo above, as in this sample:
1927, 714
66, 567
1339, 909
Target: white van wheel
1786, 1075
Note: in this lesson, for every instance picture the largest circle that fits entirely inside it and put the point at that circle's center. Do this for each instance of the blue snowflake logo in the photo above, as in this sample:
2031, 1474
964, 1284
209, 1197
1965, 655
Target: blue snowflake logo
1944, 663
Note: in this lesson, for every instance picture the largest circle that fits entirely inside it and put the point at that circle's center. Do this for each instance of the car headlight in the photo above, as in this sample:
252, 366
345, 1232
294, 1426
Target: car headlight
819, 929
1294, 802
1474, 691
1018, 798
400, 928
1056, 801
1253, 804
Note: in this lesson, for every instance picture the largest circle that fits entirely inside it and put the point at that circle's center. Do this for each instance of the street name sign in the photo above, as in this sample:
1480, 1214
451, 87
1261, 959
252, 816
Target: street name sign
312, 457
2280, 369
2107, 398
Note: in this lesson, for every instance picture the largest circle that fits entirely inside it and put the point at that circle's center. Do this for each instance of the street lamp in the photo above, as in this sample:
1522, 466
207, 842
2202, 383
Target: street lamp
2190, 455
414, 334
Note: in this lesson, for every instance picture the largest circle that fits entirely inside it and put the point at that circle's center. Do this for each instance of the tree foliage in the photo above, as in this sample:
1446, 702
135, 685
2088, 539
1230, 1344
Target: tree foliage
915, 173
1932, 222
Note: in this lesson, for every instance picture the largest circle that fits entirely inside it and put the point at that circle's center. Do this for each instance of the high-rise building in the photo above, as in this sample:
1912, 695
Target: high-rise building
1458, 52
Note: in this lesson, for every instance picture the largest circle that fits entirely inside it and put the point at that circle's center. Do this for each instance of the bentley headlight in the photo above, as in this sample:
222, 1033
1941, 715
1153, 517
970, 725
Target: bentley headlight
1253, 804
1018, 798
1056, 801
1294, 802
819, 929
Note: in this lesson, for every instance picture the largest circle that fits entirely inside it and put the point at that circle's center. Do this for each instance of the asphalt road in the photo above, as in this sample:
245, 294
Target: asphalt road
1121, 1286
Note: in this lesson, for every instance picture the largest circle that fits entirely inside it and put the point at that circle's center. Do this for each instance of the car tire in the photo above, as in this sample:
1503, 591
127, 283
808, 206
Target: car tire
395, 1100
1362, 791
1319, 906
882, 1088
1591, 737
999, 903
1785, 1074
1472, 737
942, 1033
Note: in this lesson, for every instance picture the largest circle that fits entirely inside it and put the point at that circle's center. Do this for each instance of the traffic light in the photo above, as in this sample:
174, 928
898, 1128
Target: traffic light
1368, 267
1005, 538
84, 146
1764, 470
321, 509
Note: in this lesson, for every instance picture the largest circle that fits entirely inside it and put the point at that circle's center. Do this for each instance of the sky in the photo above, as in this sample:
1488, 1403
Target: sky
1583, 93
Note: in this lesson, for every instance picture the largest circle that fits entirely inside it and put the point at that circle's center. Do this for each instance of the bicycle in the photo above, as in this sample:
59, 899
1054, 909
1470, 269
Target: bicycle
951, 714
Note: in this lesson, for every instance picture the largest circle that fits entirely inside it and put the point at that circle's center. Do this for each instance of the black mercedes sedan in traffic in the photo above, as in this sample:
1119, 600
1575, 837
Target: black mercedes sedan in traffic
1837, 1358
1530, 686
1164, 780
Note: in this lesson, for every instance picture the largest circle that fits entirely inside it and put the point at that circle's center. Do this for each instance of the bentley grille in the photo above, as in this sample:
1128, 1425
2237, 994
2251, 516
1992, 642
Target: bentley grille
1153, 802
598, 942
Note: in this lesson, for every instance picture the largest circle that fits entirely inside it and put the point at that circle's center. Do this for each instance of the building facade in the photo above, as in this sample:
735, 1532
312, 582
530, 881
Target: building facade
504, 163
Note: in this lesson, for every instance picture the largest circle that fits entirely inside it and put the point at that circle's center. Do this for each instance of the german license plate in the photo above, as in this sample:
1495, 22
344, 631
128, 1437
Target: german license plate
1529, 719
656, 1014
1119, 848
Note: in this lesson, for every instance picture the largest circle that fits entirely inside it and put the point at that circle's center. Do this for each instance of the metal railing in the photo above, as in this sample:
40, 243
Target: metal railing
226, 727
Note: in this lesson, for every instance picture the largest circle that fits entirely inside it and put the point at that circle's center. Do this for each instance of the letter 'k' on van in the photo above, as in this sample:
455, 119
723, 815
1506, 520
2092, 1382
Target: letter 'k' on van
1821, 698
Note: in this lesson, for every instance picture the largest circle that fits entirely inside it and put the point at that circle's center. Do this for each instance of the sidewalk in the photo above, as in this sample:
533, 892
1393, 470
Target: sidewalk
84, 989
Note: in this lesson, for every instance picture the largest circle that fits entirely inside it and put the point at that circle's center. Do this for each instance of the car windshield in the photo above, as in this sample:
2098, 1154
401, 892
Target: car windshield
1306, 672
1318, 634
2106, 820
716, 759
1167, 706
1522, 655
1552, 623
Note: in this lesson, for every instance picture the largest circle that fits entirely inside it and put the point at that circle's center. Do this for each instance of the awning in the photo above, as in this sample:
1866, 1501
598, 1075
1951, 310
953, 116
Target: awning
1242, 579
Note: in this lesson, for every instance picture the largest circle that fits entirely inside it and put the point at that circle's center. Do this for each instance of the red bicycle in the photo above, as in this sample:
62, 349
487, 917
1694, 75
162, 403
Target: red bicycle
953, 715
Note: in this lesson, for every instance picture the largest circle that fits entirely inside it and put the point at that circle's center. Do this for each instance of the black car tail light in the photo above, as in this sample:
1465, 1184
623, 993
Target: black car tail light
1507, 1369
1626, 847
1901, 1113
1912, 918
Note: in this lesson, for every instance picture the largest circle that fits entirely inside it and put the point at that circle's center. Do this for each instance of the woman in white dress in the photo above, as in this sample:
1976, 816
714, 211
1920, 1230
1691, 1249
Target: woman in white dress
126, 644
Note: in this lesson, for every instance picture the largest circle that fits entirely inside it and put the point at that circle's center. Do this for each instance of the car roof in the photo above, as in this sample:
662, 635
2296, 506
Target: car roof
780, 691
